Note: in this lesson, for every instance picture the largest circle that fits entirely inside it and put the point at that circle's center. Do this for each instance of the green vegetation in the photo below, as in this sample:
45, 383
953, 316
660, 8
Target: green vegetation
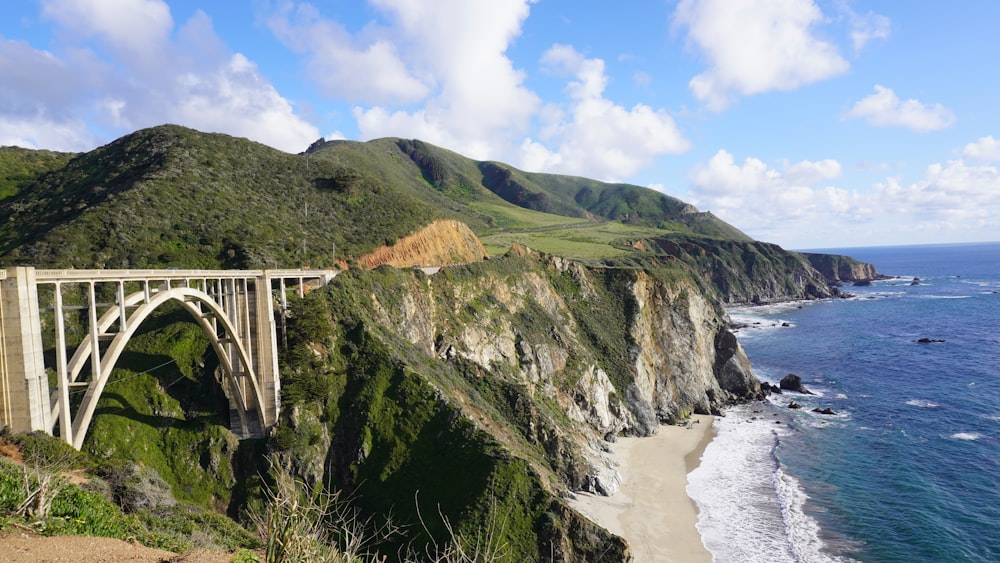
447, 448
22, 167
170, 196
386, 432
581, 240
38, 494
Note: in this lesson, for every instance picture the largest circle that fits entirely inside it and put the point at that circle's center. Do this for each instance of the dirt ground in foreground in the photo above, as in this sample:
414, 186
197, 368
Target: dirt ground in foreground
18, 546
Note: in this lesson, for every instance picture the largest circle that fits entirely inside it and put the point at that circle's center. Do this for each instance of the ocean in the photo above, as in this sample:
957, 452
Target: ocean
908, 469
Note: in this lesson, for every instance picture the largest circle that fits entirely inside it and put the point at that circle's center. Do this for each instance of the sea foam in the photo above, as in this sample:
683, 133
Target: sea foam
750, 509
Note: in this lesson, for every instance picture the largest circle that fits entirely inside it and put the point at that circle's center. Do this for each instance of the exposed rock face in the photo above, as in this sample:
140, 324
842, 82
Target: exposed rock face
837, 268
440, 243
750, 272
547, 356
664, 350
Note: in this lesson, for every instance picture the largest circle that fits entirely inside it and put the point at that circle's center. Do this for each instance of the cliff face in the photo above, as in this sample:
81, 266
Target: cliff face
837, 268
440, 243
540, 357
750, 272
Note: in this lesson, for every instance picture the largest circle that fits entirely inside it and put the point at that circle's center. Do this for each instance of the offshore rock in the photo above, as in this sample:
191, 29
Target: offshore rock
793, 382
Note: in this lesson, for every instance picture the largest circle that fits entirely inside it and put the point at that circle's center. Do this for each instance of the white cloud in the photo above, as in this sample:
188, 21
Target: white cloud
755, 47
951, 194
42, 132
954, 201
593, 136
474, 100
234, 99
367, 68
809, 173
137, 30
447, 58
775, 204
985, 148
868, 27
120, 70
40, 97
884, 108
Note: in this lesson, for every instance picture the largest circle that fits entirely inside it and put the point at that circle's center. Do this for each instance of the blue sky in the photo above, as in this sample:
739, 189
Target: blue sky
808, 123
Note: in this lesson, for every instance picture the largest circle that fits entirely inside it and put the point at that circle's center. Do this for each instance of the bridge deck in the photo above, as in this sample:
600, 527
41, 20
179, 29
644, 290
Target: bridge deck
70, 275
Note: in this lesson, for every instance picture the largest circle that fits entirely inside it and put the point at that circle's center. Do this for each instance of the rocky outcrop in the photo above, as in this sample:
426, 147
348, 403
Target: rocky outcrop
837, 268
640, 351
749, 272
438, 244
792, 382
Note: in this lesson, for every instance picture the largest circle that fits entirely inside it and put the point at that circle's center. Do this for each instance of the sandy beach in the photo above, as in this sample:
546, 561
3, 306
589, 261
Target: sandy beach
651, 509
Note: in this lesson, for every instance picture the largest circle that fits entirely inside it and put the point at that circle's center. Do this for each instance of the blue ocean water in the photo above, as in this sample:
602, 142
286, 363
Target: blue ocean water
909, 467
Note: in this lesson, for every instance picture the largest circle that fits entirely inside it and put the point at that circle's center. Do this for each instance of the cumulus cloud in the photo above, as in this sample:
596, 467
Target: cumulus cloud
480, 104
120, 68
772, 203
433, 70
984, 148
592, 135
755, 190
884, 108
455, 86
368, 68
137, 30
953, 194
798, 201
755, 47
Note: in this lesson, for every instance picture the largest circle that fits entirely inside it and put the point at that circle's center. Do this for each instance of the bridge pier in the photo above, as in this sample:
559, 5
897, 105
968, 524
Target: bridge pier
24, 385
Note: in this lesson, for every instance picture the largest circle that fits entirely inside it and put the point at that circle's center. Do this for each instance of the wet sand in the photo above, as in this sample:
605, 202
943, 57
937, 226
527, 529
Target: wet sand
651, 509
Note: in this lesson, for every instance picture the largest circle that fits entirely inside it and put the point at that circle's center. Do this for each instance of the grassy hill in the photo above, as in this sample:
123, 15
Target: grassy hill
173, 197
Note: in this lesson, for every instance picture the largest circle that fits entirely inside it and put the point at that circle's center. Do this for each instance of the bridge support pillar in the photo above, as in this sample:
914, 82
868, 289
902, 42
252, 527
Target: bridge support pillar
24, 385
266, 352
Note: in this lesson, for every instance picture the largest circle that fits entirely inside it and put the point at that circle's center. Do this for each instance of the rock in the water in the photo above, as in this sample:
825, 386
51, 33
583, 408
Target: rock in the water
827, 410
766, 388
794, 405
793, 382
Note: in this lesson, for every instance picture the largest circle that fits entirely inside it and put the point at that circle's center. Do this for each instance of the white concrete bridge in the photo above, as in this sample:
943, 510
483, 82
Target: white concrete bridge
234, 308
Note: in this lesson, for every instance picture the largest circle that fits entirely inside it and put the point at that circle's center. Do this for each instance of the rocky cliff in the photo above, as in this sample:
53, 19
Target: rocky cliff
837, 268
749, 272
521, 365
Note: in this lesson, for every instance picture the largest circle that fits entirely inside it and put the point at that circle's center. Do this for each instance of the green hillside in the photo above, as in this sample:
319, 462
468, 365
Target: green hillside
21, 167
174, 197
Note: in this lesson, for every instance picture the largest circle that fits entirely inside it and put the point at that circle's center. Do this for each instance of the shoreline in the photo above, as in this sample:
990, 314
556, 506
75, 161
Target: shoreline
651, 509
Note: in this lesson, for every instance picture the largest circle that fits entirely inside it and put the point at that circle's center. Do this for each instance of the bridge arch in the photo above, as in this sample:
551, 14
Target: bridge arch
234, 308
248, 398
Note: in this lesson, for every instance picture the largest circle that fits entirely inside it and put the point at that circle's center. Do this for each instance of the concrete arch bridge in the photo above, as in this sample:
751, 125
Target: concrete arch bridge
236, 309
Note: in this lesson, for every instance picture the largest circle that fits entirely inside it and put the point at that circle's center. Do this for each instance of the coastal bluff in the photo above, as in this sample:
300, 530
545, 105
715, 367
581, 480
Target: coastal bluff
541, 360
